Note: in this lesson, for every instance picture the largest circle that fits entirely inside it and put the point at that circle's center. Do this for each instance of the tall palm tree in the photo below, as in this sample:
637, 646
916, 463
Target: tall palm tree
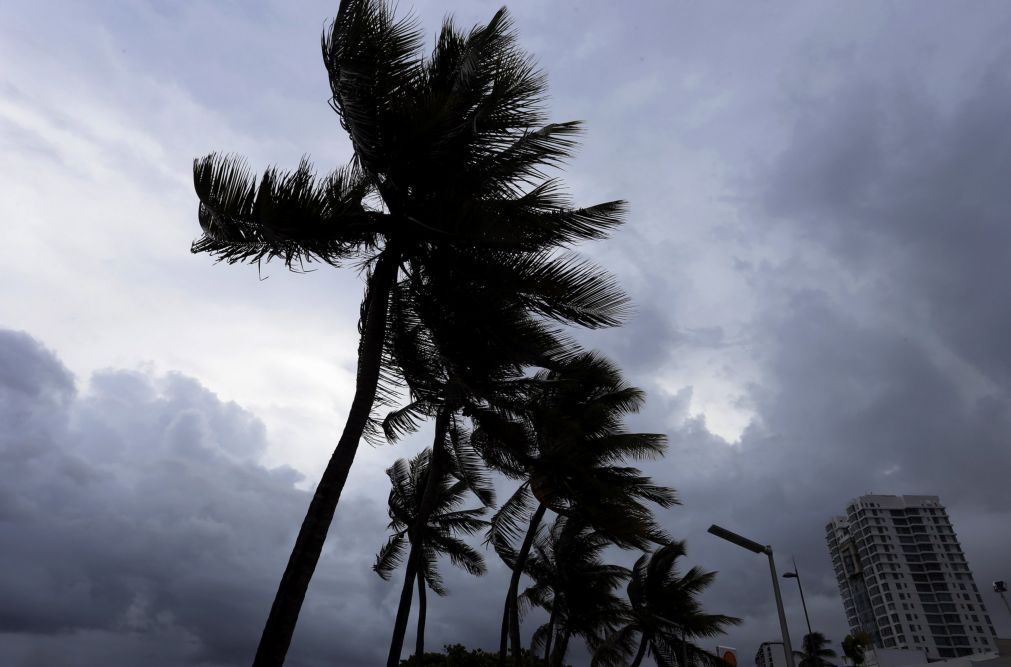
565, 440
448, 170
574, 586
426, 541
816, 651
664, 614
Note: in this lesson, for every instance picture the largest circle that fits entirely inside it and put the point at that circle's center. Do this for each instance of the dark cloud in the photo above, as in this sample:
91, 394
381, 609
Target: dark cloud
847, 410
138, 527
859, 268
883, 370
914, 192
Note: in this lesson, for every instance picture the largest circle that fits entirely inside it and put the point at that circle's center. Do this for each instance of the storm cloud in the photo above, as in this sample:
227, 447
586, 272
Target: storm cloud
138, 527
819, 253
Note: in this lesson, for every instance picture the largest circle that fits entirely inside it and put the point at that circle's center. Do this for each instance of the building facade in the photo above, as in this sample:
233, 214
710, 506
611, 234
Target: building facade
770, 654
904, 579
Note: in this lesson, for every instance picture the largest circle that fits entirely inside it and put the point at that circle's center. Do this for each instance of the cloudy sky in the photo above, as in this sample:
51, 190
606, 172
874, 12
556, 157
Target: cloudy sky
819, 251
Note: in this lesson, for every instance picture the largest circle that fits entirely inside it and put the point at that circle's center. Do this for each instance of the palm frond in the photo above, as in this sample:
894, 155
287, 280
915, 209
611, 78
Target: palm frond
541, 218
468, 465
404, 421
617, 649
571, 289
429, 569
509, 523
404, 483
373, 62
636, 446
461, 554
463, 522
524, 161
291, 216
390, 556
539, 639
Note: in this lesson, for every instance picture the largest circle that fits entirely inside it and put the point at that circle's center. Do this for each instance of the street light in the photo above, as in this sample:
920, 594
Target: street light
1000, 588
796, 575
757, 548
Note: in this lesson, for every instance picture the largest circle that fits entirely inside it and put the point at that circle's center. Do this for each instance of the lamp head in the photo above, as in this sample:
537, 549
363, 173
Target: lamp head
737, 539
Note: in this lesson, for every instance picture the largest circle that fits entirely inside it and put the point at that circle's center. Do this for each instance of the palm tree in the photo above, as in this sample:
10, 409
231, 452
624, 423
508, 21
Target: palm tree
447, 171
816, 651
456, 358
854, 646
574, 586
565, 440
664, 613
439, 535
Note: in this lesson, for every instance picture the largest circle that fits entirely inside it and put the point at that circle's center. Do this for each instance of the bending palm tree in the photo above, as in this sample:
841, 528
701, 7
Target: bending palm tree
816, 651
449, 153
439, 535
575, 586
566, 444
664, 613
449, 373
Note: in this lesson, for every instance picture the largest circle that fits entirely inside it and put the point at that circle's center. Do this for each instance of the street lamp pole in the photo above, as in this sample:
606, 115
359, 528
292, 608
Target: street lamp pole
1000, 588
796, 575
757, 548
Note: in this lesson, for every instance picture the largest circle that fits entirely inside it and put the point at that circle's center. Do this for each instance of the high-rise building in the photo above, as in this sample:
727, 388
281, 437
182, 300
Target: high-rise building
770, 654
904, 579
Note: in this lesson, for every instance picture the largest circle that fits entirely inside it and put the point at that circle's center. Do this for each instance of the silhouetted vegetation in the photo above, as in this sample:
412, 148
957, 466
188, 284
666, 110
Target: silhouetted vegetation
664, 615
816, 651
854, 646
465, 243
456, 655
438, 535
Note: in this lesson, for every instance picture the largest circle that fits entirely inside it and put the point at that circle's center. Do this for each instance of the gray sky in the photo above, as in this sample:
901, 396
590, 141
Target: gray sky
819, 252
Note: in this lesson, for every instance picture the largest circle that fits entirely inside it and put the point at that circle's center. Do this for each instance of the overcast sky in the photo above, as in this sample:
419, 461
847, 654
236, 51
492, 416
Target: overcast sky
819, 251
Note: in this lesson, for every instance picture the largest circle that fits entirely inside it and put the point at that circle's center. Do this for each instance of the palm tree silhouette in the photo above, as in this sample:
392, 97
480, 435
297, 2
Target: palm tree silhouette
664, 614
574, 586
461, 349
448, 172
426, 541
565, 439
816, 651
854, 646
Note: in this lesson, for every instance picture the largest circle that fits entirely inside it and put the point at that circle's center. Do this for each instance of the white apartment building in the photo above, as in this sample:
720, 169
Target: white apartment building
904, 579
770, 654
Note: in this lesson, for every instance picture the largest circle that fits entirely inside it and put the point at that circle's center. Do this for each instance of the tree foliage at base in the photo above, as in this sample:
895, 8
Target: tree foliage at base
456, 655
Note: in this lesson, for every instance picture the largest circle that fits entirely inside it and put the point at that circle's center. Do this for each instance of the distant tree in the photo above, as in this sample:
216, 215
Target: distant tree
816, 651
575, 586
439, 535
854, 647
664, 615
566, 440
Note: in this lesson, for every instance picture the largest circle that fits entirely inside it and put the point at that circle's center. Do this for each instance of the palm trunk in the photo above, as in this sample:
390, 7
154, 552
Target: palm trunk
436, 470
503, 646
512, 603
642, 651
280, 626
551, 633
563, 647
404, 609
419, 644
